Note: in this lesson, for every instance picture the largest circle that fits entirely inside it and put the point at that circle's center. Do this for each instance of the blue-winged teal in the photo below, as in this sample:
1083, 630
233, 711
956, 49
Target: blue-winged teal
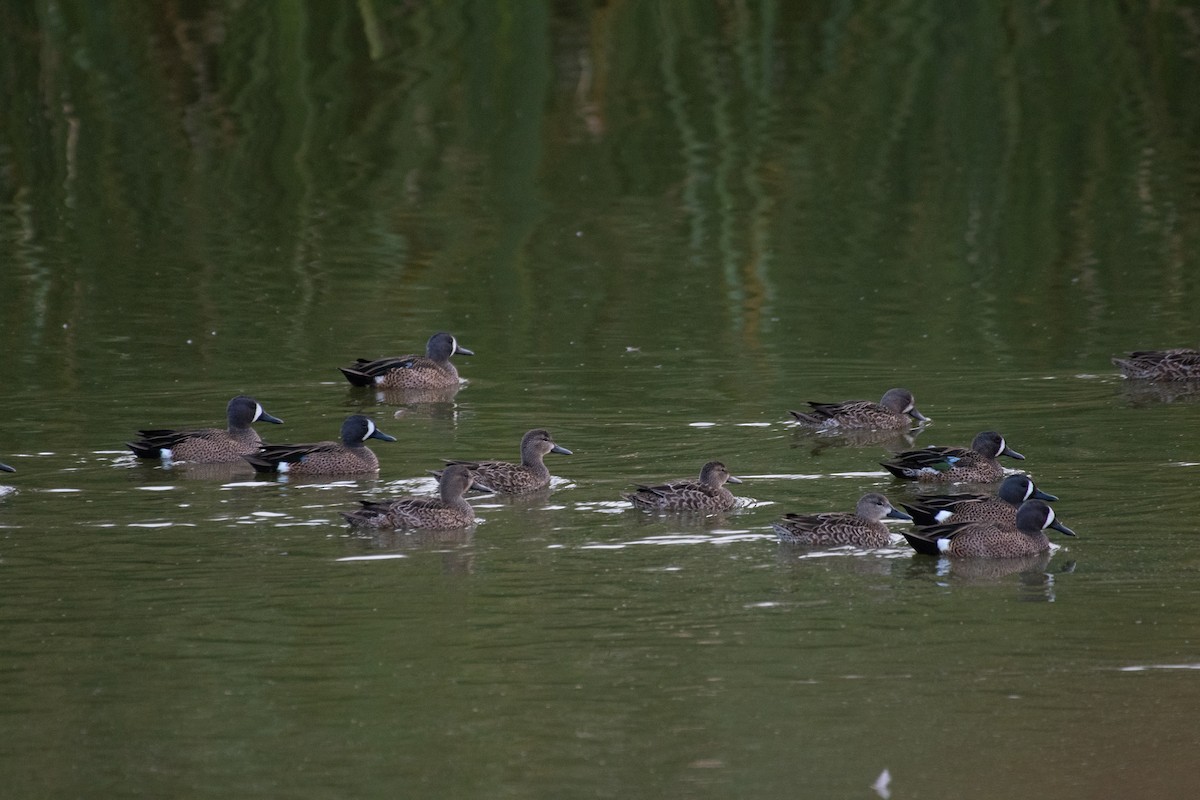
528, 476
708, 493
448, 510
6, 468
430, 371
895, 411
955, 464
863, 528
931, 509
1161, 365
208, 445
1024, 537
347, 457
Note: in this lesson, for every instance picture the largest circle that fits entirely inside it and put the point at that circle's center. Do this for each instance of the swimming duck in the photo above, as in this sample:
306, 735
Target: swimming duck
208, 445
863, 528
448, 510
430, 371
349, 456
528, 476
931, 509
708, 493
895, 411
1180, 364
1024, 537
955, 464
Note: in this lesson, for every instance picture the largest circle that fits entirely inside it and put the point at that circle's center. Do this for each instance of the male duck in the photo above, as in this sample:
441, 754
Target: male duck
528, 476
449, 510
208, 445
1161, 365
931, 509
955, 464
895, 411
708, 493
1024, 537
863, 528
349, 456
430, 371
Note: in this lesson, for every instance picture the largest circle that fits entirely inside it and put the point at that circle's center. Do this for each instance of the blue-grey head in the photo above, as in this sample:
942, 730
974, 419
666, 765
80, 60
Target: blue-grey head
357, 429
992, 445
442, 345
1016, 489
1035, 515
901, 401
242, 411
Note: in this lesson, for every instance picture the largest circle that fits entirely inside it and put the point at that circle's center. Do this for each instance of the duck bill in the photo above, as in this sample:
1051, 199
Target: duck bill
558, 448
917, 415
1058, 526
732, 479
896, 514
1040, 495
7, 468
462, 351
265, 417
1008, 451
381, 436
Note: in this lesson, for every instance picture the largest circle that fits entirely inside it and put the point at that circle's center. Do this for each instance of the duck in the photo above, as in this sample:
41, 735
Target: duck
896, 410
1180, 364
208, 445
430, 371
1024, 537
863, 528
528, 476
707, 493
932, 509
449, 510
346, 457
955, 464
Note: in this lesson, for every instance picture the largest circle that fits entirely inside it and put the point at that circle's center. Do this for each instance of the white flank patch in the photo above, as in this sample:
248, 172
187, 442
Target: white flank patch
943, 545
284, 466
942, 516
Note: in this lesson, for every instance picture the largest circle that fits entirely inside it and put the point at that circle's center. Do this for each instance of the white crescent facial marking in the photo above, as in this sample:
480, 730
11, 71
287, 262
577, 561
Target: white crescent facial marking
258, 412
1049, 517
1028, 490
453, 345
370, 430
1003, 445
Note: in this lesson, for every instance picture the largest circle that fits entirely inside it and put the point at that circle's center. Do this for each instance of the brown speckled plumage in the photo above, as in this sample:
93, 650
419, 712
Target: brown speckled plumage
954, 464
528, 476
1024, 537
430, 371
208, 445
708, 493
1180, 364
448, 510
932, 509
863, 528
346, 457
895, 411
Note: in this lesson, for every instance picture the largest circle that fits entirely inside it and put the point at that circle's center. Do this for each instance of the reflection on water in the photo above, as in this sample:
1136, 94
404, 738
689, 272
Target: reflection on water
661, 223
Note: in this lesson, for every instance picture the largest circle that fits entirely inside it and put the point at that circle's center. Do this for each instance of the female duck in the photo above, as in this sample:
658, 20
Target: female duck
931, 509
208, 445
347, 457
528, 476
1161, 365
863, 528
955, 464
895, 411
449, 510
1024, 537
708, 493
430, 371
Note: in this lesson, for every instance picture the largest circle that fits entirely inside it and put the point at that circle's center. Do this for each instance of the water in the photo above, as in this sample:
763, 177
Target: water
659, 229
